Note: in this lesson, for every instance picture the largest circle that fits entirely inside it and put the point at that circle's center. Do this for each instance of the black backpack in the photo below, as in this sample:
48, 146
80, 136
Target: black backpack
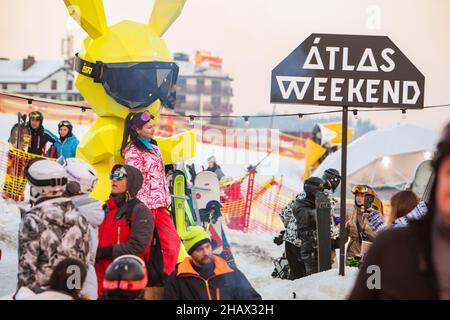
155, 262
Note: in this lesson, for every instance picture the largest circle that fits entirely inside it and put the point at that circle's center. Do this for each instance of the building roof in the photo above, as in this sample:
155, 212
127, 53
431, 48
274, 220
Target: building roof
189, 69
374, 145
11, 71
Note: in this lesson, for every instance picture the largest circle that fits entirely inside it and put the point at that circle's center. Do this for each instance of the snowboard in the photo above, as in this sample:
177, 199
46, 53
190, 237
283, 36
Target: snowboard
421, 178
206, 198
323, 222
178, 201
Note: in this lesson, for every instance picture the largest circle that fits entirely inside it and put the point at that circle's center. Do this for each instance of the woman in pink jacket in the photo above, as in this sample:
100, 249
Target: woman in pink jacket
140, 150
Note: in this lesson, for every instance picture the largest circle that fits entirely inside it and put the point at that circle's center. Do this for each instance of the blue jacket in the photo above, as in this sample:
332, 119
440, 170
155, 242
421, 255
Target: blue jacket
67, 149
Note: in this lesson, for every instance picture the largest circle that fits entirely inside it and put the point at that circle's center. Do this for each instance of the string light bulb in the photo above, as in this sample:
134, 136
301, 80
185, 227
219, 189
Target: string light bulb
355, 114
246, 120
404, 114
191, 119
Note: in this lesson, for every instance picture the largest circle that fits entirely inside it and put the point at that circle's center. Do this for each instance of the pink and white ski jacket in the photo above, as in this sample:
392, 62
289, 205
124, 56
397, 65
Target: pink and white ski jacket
155, 190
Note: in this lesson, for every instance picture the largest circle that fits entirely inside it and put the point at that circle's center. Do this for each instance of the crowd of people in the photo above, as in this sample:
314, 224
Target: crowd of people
125, 248
409, 243
45, 143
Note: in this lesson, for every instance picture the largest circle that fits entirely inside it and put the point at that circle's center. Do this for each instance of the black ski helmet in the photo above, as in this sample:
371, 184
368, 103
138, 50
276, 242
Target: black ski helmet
313, 185
332, 178
36, 115
66, 123
125, 278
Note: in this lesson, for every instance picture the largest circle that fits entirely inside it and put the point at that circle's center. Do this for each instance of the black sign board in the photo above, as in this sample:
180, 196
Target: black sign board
348, 70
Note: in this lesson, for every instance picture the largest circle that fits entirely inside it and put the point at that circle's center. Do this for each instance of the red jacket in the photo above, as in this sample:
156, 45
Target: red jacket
123, 235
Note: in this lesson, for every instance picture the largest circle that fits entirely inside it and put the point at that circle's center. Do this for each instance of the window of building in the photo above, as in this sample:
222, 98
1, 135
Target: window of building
69, 84
4, 86
43, 96
182, 84
23, 86
216, 86
181, 98
53, 97
54, 85
215, 100
69, 98
201, 85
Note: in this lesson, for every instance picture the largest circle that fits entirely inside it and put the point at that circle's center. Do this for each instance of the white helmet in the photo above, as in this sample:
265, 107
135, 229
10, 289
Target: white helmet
82, 174
46, 178
212, 159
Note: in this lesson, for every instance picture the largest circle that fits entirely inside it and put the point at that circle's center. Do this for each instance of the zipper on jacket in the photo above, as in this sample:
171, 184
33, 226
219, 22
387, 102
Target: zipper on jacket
118, 235
207, 289
217, 293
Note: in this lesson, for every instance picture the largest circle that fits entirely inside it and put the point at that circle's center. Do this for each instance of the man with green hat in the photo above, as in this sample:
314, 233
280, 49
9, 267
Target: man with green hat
204, 276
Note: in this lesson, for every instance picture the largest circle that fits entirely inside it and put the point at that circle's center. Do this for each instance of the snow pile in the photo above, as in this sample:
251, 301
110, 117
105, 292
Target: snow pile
9, 226
254, 253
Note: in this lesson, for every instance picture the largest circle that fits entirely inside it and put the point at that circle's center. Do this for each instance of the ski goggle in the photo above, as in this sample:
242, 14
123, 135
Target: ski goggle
135, 85
359, 188
35, 116
64, 123
117, 175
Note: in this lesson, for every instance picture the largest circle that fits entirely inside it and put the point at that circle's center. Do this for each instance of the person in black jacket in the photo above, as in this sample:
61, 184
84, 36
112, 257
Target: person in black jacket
204, 276
413, 262
39, 136
305, 214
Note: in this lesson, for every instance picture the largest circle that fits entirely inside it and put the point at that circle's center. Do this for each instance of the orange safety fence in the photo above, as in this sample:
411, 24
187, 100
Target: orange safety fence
269, 197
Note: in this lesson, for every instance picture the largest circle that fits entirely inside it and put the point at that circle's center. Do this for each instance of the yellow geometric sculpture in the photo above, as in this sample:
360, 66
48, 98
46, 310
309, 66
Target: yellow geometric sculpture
124, 42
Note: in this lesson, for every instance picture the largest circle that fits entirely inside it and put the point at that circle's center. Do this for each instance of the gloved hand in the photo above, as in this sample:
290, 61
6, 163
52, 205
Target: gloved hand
278, 240
104, 253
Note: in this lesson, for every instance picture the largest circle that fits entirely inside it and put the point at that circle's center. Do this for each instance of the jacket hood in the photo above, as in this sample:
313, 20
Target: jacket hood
306, 203
134, 179
90, 209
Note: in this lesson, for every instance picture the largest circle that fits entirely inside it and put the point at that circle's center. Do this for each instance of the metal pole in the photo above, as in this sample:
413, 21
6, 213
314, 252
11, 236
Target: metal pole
343, 235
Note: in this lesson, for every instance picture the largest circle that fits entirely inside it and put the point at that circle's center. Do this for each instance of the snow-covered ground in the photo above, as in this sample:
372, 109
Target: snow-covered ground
254, 253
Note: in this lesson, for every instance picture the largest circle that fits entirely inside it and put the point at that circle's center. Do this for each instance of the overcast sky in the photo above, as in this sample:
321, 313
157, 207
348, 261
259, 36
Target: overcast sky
253, 36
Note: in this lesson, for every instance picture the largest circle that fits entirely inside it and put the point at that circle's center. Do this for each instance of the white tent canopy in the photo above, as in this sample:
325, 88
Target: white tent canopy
387, 157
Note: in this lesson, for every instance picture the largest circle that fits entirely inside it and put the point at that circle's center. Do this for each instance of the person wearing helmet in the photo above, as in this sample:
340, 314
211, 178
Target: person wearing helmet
357, 225
332, 179
81, 180
66, 145
52, 230
292, 243
39, 135
125, 279
306, 217
214, 167
128, 227
205, 276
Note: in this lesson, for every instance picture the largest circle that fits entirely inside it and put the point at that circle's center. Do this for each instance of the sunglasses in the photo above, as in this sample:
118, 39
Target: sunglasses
117, 175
